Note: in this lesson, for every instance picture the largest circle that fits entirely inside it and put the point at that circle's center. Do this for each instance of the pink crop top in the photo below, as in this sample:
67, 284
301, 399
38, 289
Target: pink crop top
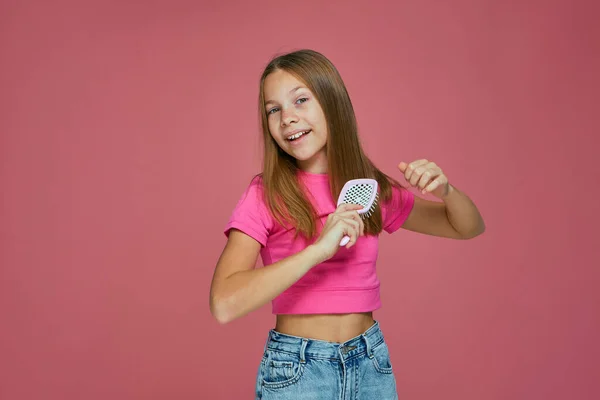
345, 283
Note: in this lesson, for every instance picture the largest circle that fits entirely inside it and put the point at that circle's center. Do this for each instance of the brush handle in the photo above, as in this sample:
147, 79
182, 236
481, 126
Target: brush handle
344, 241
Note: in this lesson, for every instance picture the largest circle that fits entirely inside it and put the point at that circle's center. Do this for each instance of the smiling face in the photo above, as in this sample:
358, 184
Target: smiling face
296, 120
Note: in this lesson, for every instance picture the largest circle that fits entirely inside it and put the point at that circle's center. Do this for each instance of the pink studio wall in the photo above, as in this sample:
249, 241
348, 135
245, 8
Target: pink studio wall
129, 131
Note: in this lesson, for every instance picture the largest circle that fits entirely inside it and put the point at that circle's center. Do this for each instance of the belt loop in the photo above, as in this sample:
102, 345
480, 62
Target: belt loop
267, 341
302, 350
369, 350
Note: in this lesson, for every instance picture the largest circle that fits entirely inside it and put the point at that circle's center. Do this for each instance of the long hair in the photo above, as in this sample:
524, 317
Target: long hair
345, 157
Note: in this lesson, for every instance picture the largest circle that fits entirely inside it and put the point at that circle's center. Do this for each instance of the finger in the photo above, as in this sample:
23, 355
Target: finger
354, 235
349, 214
419, 171
428, 176
348, 207
346, 223
361, 226
353, 215
410, 170
440, 180
416, 175
351, 229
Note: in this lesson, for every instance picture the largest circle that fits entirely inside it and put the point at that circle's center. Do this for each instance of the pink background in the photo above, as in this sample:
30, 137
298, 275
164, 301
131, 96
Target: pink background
129, 130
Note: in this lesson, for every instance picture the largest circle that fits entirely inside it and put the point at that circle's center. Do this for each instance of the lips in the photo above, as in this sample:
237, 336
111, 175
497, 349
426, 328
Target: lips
298, 134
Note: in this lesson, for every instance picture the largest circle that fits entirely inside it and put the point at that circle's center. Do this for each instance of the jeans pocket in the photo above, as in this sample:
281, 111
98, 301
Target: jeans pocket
280, 369
381, 359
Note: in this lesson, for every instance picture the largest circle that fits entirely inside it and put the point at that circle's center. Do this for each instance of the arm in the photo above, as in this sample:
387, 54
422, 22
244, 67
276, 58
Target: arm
455, 217
238, 288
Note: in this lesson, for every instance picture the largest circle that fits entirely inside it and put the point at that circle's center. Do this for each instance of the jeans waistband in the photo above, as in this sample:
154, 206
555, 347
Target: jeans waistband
312, 348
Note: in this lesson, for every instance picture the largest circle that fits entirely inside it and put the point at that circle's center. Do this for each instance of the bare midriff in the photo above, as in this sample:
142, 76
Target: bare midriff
329, 327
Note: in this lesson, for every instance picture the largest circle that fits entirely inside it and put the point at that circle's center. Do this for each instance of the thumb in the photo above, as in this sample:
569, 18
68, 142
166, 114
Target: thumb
402, 166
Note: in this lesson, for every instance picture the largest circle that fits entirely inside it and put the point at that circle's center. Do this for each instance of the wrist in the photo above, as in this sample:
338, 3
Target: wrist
315, 254
451, 190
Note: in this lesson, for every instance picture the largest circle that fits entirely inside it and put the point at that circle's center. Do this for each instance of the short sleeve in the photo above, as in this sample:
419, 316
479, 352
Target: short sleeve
251, 214
397, 209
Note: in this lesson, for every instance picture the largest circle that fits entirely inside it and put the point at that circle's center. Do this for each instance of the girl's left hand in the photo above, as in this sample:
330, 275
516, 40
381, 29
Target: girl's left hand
427, 177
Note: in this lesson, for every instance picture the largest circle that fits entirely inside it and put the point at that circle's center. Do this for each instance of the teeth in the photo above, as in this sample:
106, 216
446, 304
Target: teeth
297, 135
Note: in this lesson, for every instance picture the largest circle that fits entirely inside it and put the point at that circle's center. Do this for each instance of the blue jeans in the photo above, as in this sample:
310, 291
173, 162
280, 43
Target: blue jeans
300, 368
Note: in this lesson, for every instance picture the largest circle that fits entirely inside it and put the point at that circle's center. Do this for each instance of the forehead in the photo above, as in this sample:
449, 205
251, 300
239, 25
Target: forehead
281, 84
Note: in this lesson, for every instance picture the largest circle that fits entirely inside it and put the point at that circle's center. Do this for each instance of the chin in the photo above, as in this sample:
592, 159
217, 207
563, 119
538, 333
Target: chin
303, 156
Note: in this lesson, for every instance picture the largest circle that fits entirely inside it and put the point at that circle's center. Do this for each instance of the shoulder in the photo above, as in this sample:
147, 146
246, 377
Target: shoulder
251, 214
394, 196
257, 182
255, 190
396, 204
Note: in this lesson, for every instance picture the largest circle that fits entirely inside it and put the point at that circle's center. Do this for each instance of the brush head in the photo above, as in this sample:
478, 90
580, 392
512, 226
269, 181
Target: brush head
362, 192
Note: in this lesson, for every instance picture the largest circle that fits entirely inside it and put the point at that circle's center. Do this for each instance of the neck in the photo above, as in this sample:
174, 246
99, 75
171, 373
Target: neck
316, 165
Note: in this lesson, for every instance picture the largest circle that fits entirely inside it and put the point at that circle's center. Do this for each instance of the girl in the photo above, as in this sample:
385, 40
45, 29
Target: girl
325, 344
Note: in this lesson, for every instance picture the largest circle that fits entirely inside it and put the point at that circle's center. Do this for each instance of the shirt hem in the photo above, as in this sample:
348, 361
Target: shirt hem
337, 301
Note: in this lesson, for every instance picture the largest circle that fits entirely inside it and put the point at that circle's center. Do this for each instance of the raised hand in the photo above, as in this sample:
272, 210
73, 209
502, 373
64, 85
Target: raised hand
427, 176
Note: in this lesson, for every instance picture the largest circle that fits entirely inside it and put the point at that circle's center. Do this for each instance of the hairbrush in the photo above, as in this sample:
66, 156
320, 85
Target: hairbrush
362, 192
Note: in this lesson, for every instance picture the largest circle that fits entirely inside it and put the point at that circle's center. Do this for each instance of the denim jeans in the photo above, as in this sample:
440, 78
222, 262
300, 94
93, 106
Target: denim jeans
300, 368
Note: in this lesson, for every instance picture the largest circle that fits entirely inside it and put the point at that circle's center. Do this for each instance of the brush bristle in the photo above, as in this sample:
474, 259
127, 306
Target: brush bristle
372, 209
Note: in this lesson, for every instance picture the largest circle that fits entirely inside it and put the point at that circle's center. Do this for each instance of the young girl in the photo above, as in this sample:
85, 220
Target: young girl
325, 344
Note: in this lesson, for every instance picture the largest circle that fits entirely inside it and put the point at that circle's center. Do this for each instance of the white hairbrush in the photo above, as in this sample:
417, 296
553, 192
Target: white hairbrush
362, 192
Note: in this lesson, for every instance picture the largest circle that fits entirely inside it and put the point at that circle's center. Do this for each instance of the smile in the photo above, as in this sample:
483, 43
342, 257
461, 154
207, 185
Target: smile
298, 135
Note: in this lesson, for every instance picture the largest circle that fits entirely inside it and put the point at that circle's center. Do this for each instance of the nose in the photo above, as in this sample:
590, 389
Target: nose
288, 116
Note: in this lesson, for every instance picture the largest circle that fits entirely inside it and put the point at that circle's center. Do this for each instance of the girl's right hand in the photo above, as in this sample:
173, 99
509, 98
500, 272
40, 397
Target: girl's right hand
344, 221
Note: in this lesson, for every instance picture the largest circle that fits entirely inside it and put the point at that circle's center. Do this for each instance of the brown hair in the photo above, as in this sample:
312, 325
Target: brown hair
345, 157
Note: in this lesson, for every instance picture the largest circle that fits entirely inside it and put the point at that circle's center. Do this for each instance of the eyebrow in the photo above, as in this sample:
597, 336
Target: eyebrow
291, 91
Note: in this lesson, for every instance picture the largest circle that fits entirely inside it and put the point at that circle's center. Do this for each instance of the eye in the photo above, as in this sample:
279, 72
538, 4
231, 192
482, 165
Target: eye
302, 100
272, 110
